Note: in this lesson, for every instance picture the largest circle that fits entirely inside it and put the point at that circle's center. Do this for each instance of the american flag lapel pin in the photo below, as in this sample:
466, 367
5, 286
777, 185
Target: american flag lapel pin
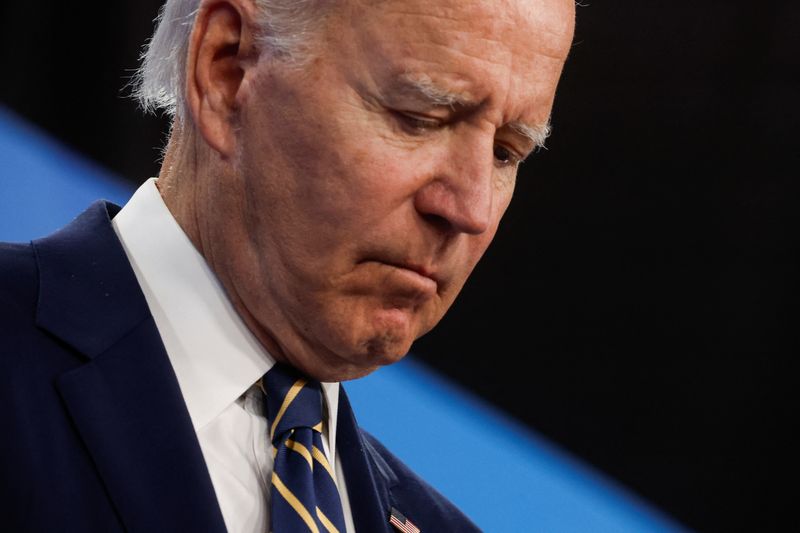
401, 523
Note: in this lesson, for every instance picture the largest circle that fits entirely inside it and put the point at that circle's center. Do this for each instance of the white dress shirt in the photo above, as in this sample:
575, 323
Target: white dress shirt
216, 359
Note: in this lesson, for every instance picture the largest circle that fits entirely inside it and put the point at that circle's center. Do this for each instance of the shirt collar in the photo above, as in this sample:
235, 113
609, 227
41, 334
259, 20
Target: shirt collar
215, 356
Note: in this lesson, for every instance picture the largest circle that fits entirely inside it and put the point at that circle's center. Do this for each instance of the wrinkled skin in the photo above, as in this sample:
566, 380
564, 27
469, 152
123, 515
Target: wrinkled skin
345, 210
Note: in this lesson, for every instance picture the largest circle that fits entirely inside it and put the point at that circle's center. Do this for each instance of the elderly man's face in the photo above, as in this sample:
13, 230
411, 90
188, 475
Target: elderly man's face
370, 182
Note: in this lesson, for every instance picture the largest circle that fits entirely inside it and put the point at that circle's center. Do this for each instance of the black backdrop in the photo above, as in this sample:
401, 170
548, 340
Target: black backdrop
639, 305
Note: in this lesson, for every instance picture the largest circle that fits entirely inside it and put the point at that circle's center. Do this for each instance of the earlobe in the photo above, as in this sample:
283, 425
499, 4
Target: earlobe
219, 51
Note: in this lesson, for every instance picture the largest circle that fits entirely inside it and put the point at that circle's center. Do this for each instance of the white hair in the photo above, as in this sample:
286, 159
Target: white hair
284, 27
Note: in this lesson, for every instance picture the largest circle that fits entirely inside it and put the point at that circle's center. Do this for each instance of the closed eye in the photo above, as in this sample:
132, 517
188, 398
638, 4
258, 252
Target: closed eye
416, 124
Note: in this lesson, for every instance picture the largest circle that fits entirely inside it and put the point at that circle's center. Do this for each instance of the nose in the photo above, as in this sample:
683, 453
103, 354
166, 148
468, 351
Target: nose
459, 197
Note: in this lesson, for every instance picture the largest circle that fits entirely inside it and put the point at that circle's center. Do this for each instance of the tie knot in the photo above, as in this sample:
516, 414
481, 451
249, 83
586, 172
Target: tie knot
293, 401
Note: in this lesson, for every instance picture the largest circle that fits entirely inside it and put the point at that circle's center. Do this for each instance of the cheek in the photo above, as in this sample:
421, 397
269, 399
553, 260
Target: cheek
362, 189
351, 184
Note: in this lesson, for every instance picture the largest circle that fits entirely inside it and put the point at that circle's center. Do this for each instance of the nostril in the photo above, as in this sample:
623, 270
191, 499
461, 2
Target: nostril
439, 222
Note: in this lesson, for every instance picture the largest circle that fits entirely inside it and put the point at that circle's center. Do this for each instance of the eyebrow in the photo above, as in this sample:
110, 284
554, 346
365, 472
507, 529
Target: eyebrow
536, 134
421, 85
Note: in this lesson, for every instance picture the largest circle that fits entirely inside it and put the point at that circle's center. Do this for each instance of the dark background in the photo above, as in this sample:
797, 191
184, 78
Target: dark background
640, 303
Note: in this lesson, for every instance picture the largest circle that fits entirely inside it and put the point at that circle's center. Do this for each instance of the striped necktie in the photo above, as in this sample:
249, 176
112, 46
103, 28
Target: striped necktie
304, 493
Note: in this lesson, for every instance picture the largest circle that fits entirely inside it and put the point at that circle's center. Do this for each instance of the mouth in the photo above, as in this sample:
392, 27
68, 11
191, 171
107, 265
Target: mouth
425, 275
418, 269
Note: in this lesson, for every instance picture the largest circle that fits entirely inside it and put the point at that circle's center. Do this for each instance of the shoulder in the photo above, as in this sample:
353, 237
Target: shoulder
17, 261
409, 491
27, 352
30, 359
18, 286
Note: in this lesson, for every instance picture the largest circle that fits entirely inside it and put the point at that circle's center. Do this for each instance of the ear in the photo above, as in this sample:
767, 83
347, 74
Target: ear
221, 49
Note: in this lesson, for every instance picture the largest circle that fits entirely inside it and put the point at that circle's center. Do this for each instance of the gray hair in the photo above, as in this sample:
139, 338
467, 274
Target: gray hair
284, 26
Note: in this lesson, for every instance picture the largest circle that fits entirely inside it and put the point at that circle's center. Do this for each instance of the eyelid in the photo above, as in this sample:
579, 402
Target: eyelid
420, 122
515, 158
417, 120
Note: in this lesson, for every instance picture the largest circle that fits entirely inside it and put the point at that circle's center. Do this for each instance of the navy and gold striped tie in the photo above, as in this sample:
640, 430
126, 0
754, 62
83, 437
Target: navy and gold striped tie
304, 493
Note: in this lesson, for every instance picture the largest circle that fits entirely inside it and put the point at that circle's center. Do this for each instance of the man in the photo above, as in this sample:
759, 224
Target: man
334, 172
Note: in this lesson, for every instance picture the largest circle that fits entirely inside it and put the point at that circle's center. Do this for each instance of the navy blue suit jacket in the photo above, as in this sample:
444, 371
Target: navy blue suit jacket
96, 436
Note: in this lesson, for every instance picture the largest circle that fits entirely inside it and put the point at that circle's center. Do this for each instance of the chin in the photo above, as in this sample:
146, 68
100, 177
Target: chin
390, 333
385, 349
364, 353
360, 341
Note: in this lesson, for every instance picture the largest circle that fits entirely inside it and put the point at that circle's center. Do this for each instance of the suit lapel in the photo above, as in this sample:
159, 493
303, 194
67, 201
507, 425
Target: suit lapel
369, 479
124, 400
132, 418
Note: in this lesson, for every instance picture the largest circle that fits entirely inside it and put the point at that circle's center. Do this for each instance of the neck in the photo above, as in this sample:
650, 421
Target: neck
192, 182
179, 179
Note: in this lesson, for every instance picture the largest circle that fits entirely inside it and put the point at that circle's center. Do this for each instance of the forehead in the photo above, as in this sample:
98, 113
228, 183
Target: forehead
510, 50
